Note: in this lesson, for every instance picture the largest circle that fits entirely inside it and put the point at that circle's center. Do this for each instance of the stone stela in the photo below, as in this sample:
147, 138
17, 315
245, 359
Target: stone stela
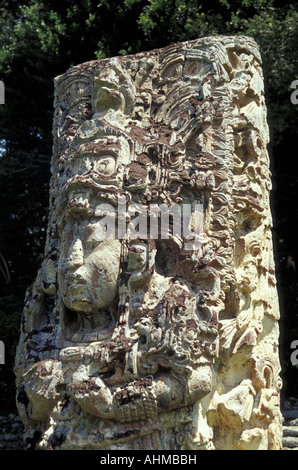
146, 342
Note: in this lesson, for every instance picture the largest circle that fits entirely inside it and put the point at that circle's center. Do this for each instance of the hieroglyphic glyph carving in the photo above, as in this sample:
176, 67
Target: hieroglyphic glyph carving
137, 340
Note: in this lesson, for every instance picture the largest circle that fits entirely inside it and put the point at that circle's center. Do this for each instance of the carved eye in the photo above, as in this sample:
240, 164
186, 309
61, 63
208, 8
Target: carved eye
102, 163
105, 165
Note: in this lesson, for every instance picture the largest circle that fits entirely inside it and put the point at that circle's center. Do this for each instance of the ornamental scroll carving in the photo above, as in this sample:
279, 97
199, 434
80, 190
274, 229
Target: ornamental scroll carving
152, 341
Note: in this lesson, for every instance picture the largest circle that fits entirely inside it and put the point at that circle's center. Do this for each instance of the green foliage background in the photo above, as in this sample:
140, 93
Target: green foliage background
42, 39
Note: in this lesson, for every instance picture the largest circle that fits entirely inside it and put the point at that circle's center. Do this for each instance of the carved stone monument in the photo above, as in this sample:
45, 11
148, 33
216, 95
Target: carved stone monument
137, 334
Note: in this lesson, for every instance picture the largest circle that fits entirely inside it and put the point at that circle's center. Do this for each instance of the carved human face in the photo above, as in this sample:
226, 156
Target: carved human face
88, 267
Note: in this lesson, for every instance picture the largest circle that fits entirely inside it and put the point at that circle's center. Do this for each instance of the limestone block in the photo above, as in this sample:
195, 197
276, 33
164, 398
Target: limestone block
153, 320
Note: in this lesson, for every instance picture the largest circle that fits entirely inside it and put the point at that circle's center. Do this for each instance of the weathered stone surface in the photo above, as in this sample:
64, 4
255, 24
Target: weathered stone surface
156, 341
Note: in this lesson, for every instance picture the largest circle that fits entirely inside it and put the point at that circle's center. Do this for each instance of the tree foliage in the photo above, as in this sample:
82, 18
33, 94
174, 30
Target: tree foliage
42, 39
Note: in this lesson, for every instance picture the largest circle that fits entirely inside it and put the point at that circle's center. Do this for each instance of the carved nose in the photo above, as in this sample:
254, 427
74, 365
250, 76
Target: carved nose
75, 257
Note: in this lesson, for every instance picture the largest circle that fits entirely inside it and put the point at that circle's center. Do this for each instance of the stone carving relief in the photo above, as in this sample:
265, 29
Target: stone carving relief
143, 339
